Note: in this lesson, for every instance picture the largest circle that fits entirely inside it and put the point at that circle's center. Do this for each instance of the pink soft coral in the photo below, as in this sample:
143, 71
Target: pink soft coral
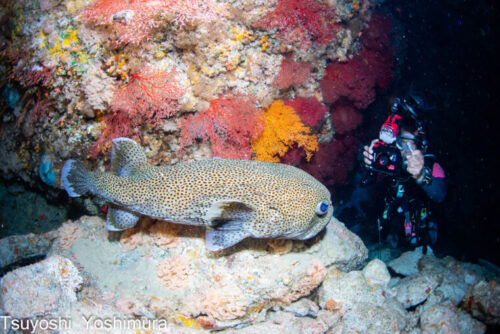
333, 162
357, 80
310, 110
69, 233
164, 234
131, 238
345, 118
224, 302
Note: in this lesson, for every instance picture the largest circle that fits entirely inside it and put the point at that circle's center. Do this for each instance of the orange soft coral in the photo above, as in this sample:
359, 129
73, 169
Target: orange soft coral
283, 130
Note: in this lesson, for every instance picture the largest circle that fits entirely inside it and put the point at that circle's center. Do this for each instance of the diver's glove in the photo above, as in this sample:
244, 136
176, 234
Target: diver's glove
426, 176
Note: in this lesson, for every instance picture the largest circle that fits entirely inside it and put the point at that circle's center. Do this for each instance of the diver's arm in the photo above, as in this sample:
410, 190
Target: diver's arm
432, 182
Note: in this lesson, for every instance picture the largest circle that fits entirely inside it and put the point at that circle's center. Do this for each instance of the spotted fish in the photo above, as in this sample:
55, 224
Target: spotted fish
234, 199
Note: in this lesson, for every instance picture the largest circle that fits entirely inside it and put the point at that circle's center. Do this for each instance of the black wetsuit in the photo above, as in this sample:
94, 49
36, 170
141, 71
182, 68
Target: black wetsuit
407, 204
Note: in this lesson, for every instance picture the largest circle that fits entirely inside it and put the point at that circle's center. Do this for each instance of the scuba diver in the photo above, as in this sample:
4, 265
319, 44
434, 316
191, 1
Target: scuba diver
415, 176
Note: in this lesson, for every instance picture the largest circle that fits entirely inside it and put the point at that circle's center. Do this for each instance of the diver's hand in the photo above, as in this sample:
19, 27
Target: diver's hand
415, 164
368, 153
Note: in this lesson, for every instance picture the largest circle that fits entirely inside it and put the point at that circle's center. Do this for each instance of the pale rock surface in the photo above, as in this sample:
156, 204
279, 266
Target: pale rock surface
483, 302
445, 318
406, 264
173, 276
41, 289
376, 273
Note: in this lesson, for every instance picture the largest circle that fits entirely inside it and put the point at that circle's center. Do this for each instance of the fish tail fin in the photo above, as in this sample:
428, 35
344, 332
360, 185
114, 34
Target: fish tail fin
127, 157
75, 178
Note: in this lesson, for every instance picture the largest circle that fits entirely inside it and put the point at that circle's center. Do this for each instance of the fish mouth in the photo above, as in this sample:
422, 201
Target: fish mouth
311, 232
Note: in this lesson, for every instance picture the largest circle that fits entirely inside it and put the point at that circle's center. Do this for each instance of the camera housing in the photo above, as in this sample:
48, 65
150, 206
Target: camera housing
387, 159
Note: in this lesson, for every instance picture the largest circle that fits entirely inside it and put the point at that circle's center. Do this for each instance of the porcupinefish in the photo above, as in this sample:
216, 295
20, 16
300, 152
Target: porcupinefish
234, 199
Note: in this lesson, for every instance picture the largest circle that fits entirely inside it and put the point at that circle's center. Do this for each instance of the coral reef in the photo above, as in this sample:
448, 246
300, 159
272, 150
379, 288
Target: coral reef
75, 70
283, 80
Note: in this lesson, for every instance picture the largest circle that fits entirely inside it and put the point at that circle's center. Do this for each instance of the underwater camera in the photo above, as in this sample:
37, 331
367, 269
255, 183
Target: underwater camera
387, 158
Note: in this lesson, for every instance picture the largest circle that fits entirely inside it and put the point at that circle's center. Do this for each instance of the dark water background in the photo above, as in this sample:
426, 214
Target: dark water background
449, 49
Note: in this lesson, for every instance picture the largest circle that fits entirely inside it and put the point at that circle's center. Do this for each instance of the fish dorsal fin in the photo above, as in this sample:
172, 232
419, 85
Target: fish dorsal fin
227, 222
119, 220
127, 157
221, 212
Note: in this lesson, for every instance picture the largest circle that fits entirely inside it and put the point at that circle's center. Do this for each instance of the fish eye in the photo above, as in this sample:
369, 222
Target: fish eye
322, 208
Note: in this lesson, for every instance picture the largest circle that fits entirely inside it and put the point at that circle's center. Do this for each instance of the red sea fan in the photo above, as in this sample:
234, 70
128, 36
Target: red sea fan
310, 110
303, 21
292, 73
114, 125
229, 123
136, 20
149, 97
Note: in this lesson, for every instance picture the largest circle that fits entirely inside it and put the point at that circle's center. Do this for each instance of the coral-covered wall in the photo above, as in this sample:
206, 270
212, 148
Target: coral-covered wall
187, 79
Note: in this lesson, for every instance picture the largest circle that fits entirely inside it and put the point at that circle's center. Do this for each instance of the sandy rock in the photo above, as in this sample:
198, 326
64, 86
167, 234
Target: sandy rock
302, 308
376, 273
215, 290
284, 322
445, 318
483, 302
342, 291
362, 307
407, 263
413, 290
371, 318
17, 247
44, 288
453, 282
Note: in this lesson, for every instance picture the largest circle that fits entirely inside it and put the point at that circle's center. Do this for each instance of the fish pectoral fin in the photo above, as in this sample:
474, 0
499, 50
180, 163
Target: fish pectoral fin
222, 212
119, 220
219, 239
